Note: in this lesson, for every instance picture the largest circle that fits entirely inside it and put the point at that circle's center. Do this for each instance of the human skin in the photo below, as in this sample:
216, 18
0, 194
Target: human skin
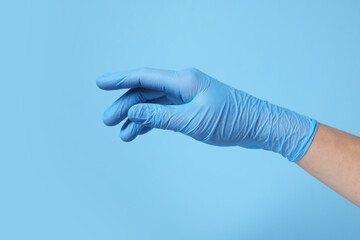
334, 159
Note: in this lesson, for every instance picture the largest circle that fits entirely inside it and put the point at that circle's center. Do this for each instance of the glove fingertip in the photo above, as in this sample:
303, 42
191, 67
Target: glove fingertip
108, 119
101, 81
127, 137
130, 130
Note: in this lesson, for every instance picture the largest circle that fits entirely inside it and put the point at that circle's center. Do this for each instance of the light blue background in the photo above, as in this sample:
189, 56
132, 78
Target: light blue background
64, 175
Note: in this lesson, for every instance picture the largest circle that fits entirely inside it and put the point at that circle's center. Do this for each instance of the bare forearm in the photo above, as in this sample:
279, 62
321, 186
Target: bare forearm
334, 159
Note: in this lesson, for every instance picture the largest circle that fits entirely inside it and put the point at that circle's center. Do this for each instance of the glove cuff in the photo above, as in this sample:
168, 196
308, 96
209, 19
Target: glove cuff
307, 142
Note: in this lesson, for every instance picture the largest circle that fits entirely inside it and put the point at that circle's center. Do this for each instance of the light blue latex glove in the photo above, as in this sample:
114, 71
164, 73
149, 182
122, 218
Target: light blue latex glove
195, 104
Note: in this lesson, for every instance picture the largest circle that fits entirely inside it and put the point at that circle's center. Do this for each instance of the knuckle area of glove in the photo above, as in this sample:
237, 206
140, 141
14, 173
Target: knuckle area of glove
189, 75
155, 118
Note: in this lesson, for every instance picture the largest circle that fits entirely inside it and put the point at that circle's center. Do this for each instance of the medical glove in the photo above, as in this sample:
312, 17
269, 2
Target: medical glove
195, 104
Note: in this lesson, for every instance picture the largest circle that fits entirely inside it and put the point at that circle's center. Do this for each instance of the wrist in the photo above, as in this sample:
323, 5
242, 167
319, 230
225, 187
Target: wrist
291, 133
280, 130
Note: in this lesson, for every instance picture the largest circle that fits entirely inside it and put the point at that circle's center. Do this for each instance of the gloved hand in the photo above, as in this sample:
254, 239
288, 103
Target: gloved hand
195, 104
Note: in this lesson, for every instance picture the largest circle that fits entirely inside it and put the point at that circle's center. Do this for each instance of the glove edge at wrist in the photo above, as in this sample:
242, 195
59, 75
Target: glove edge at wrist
306, 144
